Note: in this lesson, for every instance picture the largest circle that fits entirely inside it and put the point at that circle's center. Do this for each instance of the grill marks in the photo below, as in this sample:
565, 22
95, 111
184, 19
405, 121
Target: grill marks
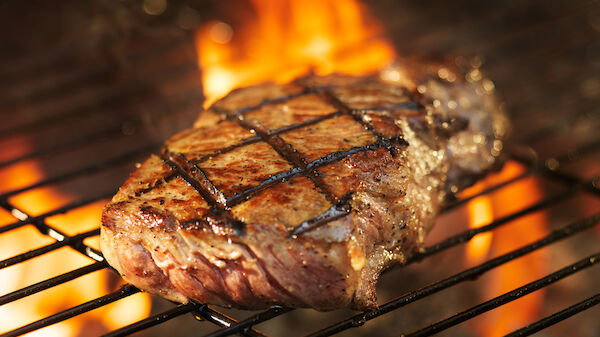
328, 96
193, 174
196, 179
386, 143
340, 209
284, 149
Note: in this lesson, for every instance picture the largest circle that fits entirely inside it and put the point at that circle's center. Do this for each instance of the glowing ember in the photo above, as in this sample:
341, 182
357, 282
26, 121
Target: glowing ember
524, 230
67, 295
288, 39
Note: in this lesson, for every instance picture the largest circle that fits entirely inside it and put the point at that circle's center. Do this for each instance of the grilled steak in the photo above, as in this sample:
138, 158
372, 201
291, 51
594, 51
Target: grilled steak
300, 194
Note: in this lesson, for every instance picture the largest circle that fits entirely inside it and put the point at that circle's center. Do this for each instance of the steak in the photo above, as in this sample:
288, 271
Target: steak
301, 194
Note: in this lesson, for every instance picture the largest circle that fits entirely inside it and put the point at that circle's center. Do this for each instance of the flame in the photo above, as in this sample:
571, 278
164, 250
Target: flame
288, 39
480, 213
64, 296
524, 230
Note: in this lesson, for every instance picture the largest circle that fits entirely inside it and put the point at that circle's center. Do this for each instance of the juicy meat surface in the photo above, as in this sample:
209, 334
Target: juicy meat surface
300, 194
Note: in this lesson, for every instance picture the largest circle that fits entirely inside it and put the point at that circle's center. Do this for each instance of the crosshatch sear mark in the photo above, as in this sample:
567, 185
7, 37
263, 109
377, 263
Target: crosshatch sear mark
157, 183
338, 104
219, 212
387, 143
309, 122
256, 139
191, 173
243, 142
285, 150
338, 210
355, 113
294, 158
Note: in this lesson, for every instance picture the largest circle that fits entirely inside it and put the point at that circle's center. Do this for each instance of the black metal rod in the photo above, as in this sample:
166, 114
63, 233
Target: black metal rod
532, 168
506, 298
45, 229
61, 210
556, 317
181, 101
253, 320
69, 240
468, 274
123, 158
125, 291
61, 58
562, 176
86, 139
152, 320
109, 99
488, 190
71, 79
49, 283
206, 313
469, 234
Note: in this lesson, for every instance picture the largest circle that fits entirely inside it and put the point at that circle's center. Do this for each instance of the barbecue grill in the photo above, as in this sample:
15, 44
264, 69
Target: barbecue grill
85, 108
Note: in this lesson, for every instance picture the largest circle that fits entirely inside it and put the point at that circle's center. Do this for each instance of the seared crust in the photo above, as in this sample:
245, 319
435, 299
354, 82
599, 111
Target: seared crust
300, 194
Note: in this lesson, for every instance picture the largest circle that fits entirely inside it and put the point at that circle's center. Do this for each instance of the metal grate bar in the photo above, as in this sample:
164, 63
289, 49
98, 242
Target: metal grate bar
73, 78
532, 169
488, 190
204, 312
61, 210
562, 176
557, 317
67, 241
152, 320
253, 320
48, 230
88, 139
114, 97
49, 283
507, 297
73, 142
124, 158
125, 291
468, 274
469, 234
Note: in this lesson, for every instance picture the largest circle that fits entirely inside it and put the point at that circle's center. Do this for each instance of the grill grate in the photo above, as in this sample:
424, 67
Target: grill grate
231, 326
99, 100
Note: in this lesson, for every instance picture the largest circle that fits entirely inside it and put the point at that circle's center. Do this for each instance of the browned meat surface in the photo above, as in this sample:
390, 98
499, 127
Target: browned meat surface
301, 194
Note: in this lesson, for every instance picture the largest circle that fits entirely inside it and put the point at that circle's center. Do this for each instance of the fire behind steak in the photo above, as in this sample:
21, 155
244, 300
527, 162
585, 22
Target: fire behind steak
300, 194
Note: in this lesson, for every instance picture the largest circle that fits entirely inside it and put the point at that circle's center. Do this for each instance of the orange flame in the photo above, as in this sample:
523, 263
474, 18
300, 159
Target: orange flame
64, 296
480, 213
289, 39
482, 210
